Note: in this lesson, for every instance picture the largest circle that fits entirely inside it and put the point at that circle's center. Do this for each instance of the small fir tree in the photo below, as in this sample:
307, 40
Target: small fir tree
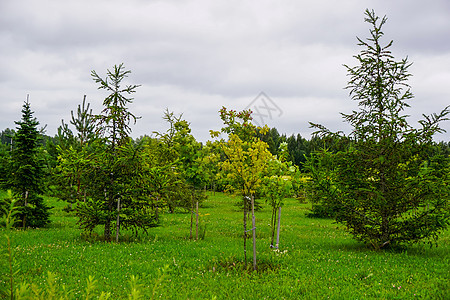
26, 178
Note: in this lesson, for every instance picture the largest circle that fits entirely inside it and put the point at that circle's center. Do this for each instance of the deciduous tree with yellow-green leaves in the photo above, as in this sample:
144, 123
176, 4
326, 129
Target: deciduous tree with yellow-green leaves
245, 164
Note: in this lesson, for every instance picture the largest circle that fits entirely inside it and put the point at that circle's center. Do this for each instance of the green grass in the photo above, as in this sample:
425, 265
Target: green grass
317, 259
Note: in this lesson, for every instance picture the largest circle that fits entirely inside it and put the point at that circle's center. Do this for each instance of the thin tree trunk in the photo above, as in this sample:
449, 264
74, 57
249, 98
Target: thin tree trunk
107, 232
156, 209
25, 205
254, 232
278, 227
245, 230
118, 221
192, 217
196, 221
78, 188
272, 225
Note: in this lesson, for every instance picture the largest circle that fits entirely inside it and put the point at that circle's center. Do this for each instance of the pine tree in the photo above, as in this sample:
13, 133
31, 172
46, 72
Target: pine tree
72, 151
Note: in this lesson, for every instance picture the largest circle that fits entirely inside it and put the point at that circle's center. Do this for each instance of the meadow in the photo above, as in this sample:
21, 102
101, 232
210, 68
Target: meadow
317, 259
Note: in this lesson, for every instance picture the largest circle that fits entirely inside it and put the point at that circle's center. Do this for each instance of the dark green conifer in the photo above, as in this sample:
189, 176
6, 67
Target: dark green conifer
26, 171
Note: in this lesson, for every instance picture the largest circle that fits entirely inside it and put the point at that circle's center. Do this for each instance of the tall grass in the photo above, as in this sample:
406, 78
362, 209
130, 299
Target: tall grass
316, 259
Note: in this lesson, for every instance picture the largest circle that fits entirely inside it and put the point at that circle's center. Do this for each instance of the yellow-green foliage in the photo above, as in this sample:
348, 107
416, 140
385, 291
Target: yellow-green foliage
246, 163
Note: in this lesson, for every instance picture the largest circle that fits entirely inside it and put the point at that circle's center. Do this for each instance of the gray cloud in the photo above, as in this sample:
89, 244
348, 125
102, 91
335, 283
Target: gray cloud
195, 56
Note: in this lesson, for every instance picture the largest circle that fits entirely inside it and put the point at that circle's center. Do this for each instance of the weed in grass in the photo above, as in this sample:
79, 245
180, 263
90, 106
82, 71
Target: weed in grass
54, 290
7, 272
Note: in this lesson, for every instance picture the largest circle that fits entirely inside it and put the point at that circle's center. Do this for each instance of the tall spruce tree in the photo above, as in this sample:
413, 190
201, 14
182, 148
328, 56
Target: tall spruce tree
384, 185
26, 178
114, 123
117, 170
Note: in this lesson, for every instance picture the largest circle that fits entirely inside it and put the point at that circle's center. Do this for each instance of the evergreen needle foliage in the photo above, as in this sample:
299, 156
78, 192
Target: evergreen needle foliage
385, 185
116, 173
26, 172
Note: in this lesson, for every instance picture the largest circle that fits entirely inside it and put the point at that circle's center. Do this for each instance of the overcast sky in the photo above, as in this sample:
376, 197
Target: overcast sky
193, 57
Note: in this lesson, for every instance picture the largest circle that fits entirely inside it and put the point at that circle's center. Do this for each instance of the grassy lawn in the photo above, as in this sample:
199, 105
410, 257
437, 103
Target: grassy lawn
317, 259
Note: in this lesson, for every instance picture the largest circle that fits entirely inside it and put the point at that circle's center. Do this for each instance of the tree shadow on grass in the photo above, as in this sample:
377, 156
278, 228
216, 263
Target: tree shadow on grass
238, 266
420, 250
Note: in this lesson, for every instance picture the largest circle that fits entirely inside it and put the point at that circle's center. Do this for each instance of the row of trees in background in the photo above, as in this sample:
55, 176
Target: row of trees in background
92, 162
110, 179
120, 182
387, 182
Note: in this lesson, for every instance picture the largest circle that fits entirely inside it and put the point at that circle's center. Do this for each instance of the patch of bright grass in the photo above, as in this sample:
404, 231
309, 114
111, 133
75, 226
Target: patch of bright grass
317, 259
